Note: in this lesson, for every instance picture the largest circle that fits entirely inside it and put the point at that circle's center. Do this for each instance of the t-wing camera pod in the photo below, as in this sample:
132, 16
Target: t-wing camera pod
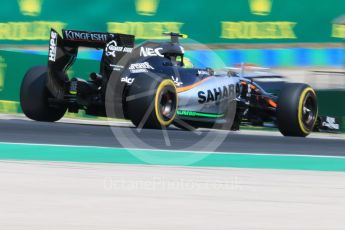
174, 36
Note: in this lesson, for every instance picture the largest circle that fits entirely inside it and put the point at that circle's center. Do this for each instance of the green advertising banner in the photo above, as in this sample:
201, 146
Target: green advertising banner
212, 22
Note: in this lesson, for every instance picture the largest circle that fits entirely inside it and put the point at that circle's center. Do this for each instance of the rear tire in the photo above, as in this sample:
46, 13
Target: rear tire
152, 103
297, 110
34, 97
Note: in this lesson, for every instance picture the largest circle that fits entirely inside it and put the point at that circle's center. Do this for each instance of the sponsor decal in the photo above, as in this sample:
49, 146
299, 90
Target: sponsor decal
28, 31
140, 67
112, 48
143, 65
78, 35
30, 7
331, 123
198, 114
52, 46
116, 67
260, 7
127, 49
150, 52
127, 80
3, 67
203, 72
139, 71
259, 30
176, 81
146, 7
217, 94
338, 31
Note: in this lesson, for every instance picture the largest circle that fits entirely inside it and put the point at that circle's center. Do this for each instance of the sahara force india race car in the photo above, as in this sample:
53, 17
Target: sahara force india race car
151, 86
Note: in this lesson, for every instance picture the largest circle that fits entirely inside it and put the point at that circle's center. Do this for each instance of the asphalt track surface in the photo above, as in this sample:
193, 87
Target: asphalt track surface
37, 195
17, 130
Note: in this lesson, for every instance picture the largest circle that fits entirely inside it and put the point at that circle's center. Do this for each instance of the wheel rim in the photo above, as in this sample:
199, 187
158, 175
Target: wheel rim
309, 111
167, 103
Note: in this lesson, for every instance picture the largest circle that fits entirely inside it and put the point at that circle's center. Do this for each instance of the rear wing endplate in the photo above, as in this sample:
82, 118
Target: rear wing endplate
63, 52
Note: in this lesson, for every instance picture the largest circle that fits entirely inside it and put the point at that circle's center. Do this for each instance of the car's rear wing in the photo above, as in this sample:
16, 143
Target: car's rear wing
95, 39
63, 52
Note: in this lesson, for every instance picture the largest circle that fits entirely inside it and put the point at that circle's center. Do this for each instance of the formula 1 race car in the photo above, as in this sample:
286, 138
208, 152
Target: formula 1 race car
151, 86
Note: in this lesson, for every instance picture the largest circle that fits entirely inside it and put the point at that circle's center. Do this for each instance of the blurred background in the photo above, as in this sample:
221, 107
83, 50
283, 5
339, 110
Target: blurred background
303, 40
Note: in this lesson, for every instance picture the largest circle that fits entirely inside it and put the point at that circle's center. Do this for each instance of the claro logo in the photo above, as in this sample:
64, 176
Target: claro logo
127, 80
52, 46
149, 52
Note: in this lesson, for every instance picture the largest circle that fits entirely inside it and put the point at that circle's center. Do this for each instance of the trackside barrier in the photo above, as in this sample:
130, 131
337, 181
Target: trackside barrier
268, 57
13, 66
28, 22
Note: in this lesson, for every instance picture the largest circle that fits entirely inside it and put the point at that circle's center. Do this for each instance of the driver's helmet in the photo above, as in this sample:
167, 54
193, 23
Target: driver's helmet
187, 63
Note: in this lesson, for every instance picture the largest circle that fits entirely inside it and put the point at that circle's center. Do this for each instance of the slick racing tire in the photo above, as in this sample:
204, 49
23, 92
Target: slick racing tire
152, 103
297, 110
34, 97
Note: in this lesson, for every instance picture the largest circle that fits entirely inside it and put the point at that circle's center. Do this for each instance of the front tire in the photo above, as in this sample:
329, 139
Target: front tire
152, 103
34, 97
297, 110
